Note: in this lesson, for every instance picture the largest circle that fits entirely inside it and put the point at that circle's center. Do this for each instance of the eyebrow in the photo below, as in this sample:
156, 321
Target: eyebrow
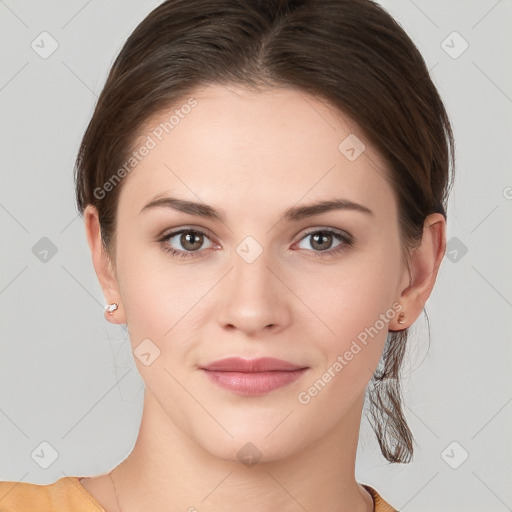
293, 214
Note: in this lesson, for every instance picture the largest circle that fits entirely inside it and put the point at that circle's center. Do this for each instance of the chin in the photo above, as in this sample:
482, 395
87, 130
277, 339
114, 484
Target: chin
250, 445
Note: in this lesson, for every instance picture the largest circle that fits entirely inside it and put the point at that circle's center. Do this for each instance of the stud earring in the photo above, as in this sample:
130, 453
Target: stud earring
401, 317
110, 308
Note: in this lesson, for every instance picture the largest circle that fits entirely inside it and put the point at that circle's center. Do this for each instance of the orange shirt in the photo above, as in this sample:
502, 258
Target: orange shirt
68, 495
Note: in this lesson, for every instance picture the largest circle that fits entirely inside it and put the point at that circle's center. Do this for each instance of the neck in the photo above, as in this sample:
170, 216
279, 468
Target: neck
169, 471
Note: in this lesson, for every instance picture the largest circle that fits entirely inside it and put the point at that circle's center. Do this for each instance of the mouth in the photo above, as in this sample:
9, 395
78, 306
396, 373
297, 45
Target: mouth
253, 377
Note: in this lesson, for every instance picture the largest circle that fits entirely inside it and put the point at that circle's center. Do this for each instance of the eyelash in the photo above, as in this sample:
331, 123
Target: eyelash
347, 241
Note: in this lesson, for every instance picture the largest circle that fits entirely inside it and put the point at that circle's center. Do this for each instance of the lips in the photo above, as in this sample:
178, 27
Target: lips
264, 364
252, 377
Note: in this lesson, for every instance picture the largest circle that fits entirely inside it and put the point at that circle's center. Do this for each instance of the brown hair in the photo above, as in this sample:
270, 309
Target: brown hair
351, 53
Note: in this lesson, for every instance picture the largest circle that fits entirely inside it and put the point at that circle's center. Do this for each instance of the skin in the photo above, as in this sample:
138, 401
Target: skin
253, 155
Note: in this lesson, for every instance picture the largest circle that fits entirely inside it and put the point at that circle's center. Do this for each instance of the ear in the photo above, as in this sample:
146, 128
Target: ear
103, 265
418, 281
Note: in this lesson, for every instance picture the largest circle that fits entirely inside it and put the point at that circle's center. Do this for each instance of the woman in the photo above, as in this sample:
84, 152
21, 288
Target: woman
263, 186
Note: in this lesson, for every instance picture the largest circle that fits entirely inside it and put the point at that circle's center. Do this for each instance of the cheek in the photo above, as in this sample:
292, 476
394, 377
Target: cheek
149, 295
351, 297
165, 303
353, 308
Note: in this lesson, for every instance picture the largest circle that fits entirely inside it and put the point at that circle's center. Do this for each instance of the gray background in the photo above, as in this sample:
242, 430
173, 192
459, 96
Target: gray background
68, 377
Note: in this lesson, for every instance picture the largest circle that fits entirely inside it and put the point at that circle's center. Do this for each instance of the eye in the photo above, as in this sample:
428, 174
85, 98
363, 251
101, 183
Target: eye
322, 240
188, 241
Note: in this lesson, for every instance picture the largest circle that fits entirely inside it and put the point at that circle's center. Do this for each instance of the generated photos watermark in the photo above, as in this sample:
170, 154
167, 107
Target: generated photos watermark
304, 397
150, 143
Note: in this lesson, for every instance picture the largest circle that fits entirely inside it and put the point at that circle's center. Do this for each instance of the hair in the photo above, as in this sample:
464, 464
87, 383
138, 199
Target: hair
350, 53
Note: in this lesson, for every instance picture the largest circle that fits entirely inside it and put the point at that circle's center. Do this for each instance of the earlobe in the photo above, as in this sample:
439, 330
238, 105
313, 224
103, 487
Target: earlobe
110, 313
103, 266
424, 266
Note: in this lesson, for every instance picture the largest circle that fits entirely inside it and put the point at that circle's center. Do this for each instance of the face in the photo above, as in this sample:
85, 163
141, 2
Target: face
260, 278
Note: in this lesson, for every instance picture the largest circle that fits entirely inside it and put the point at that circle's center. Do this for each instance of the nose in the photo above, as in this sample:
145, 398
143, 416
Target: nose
253, 298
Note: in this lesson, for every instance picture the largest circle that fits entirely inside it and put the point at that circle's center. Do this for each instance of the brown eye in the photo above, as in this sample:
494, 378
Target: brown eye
185, 242
321, 241
191, 240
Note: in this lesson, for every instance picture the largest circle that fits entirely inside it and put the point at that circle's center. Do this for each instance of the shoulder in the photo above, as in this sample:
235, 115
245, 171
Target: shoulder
65, 494
379, 504
17, 496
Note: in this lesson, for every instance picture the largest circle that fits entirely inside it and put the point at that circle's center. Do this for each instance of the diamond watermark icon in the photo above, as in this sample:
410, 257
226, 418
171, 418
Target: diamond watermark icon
44, 249
351, 147
249, 454
249, 249
454, 45
44, 454
454, 455
146, 352
44, 45
455, 249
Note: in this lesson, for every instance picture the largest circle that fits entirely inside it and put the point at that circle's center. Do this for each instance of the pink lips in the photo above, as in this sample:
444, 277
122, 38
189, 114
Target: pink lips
254, 376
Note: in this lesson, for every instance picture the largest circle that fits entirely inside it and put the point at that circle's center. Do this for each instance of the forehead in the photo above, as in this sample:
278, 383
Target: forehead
274, 147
